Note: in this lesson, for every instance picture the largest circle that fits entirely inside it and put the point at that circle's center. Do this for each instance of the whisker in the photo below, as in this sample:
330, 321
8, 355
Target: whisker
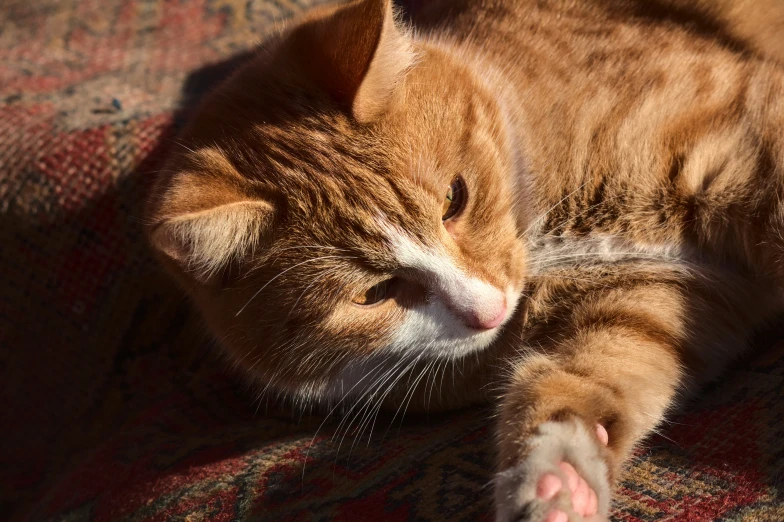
348, 427
377, 410
300, 247
545, 214
316, 279
583, 212
331, 411
410, 391
280, 274
424, 372
411, 364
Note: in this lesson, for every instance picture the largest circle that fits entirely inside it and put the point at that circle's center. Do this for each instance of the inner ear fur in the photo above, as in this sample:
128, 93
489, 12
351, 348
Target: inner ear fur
205, 242
204, 217
358, 54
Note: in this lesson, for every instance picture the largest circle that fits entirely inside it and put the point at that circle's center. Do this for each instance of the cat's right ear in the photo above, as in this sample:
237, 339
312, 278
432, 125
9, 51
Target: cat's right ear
203, 225
358, 54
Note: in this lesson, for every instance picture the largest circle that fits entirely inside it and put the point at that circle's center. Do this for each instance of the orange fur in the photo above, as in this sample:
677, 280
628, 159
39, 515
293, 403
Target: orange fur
623, 166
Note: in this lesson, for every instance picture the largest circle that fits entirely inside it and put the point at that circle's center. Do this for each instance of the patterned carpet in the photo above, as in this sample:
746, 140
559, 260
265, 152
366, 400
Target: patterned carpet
115, 404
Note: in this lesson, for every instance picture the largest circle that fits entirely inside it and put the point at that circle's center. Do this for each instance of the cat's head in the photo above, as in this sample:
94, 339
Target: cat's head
348, 193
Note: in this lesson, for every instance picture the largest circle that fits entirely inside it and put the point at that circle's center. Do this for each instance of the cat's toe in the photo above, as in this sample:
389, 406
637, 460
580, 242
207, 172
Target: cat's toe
563, 478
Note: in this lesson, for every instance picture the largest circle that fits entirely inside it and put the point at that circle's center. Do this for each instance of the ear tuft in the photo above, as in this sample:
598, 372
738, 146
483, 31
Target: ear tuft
203, 243
358, 54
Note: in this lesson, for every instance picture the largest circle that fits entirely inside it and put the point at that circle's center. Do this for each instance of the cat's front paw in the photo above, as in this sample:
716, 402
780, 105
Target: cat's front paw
562, 478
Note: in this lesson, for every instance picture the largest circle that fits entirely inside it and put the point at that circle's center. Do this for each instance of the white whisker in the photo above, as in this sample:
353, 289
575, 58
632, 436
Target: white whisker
280, 274
545, 214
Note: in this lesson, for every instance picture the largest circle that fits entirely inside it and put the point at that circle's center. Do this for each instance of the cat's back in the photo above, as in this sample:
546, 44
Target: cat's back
626, 45
635, 109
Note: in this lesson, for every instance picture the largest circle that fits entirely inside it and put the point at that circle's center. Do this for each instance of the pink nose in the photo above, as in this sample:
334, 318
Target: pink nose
486, 319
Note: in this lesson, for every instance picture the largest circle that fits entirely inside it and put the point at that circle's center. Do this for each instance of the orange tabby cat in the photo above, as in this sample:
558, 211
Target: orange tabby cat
580, 202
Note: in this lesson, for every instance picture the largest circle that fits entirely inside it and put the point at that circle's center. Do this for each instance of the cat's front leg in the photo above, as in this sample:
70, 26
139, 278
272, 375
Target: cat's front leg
571, 415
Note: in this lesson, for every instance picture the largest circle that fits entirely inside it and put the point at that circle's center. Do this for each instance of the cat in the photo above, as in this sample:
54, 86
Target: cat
577, 202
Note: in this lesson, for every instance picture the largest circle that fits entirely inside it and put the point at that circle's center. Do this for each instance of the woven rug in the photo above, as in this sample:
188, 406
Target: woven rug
115, 405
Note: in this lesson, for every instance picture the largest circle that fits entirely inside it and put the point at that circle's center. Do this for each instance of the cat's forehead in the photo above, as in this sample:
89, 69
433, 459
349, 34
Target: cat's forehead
370, 201
351, 178
372, 218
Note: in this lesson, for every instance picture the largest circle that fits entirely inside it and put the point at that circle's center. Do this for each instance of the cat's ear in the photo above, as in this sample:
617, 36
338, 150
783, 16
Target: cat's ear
206, 228
358, 54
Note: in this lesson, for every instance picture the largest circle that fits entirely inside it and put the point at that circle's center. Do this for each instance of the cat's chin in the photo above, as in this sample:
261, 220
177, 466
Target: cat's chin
375, 376
381, 374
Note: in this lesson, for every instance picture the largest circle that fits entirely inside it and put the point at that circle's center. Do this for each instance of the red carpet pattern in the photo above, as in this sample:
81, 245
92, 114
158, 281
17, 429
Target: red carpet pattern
115, 404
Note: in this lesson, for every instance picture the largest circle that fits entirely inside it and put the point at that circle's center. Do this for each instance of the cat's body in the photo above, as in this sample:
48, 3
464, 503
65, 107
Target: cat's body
619, 240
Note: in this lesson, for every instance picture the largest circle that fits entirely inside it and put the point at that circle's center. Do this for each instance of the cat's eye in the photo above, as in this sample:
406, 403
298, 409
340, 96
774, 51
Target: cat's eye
375, 294
454, 200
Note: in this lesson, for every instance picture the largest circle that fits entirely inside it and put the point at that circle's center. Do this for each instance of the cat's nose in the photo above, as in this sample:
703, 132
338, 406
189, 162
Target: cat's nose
487, 318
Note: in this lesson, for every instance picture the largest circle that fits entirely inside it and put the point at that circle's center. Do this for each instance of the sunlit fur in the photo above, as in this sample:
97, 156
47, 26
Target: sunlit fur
623, 226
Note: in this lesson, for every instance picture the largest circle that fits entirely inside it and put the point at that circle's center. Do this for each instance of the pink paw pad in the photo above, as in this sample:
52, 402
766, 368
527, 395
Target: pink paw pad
584, 499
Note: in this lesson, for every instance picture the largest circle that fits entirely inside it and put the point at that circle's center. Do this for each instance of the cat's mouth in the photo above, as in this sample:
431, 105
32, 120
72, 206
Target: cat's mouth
431, 336
435, 330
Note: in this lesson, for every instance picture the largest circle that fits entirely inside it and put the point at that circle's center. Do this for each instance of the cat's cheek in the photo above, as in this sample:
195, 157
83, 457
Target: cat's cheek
362, 330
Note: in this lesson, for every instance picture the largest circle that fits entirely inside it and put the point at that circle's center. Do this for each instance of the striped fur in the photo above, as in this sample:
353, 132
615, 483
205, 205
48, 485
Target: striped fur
623, 163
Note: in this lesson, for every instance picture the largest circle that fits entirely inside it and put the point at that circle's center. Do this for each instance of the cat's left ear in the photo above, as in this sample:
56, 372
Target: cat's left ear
358, 54
202, 216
